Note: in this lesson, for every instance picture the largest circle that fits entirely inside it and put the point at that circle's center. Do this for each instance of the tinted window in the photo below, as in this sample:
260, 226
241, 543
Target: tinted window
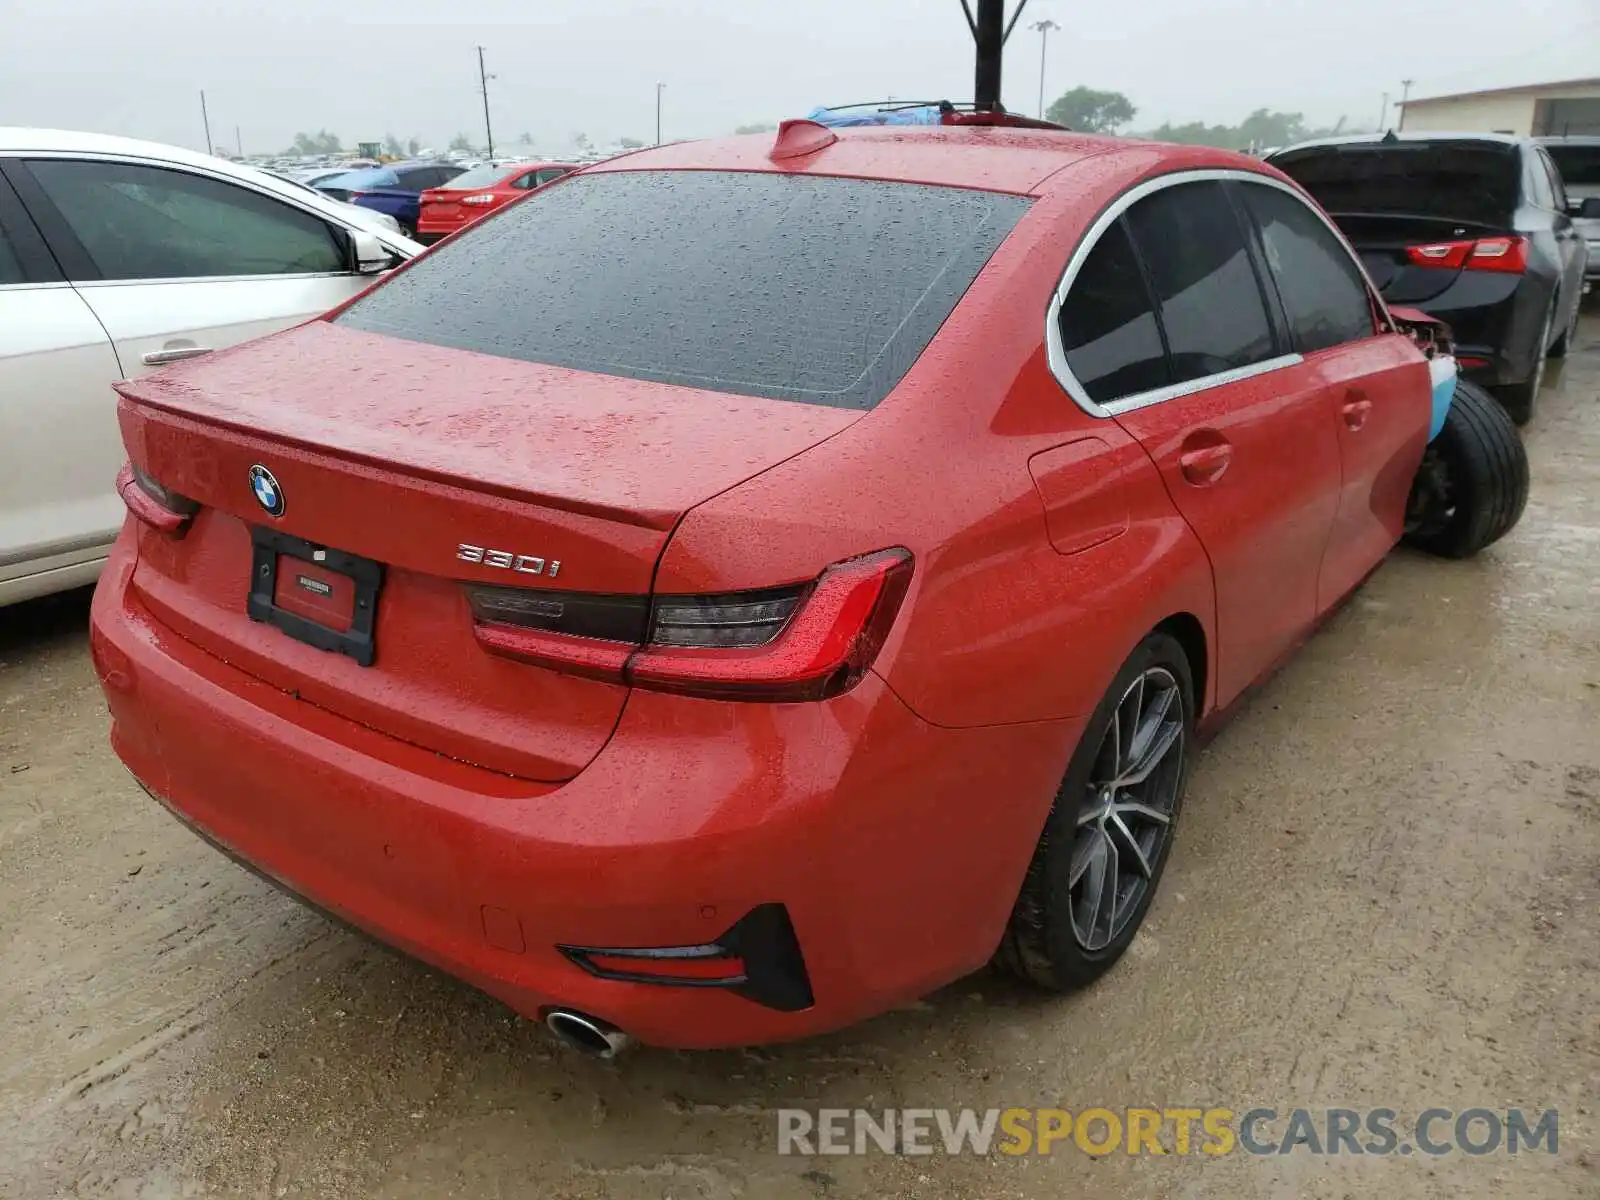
1210, 303
1536, 184
1108, 327
1557, 190
10, 265
414, 179
1470, 181
1579, 165
149, 223
822, 290
1322, 291
549, 173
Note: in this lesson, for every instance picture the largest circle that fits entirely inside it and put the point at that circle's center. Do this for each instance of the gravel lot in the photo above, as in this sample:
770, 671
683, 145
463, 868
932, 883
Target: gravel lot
1386, 893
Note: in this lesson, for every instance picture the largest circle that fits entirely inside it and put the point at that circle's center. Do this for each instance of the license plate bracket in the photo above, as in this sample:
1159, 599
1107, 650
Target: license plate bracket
269, 550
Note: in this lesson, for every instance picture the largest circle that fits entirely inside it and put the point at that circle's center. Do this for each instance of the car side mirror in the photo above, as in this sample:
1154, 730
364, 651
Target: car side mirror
1588, 209
371, 256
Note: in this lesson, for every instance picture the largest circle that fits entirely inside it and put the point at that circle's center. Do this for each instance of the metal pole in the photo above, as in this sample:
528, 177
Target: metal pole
483, 86
204, 116
238, 141
1405, 95
1044, 27
1383, 113
989, 32
659, 86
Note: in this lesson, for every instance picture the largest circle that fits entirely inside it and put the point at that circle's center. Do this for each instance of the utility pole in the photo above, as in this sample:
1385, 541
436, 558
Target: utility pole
205, 117
1044, 27
238, 141
659, 86
483, 87
1383, 113
1405, 95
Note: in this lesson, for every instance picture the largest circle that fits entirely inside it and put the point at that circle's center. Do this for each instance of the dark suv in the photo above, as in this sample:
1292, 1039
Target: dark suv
1471, 228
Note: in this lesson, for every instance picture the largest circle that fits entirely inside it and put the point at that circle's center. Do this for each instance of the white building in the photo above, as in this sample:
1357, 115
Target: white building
1537, 109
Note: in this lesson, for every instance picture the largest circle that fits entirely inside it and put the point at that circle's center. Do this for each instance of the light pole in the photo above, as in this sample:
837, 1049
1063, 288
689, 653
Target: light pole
483, 86
659, 88
1383, 113
1044, 27
205, 117
1405, 94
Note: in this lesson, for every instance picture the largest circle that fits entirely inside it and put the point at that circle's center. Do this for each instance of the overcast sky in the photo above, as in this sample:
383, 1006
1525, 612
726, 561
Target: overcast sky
364, 68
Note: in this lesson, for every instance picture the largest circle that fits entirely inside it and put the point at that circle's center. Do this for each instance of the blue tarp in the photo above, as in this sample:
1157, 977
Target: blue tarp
928, 114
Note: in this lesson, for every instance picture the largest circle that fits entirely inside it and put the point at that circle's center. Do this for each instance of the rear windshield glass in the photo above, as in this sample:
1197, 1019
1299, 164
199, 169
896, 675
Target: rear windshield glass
479, 177
367, 177
1464, 181
820, 290
1579, 165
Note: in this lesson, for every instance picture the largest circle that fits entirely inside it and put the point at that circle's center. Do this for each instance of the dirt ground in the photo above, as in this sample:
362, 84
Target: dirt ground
1386, 892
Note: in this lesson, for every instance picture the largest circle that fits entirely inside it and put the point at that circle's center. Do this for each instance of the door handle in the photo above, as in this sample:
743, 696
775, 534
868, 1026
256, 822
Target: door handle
1204, 465
1357, 408
157, 358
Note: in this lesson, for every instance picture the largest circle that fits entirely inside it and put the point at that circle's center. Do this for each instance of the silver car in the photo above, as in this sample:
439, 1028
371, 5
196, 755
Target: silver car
116, 257
1578, 160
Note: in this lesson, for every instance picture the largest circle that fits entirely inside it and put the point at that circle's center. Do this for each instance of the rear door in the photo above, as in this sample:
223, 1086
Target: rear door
59, 449
1375, 385
1239, 431
175, 263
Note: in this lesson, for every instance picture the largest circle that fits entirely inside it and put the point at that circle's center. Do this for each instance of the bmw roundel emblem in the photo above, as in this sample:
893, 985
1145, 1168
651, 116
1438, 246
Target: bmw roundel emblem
267, 492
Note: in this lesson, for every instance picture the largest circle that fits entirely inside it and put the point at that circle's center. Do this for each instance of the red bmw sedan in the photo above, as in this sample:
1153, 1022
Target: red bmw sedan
477, 192
750, 584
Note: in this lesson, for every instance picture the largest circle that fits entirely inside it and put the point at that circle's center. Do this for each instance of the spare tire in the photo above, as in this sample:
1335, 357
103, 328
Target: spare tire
1473, 482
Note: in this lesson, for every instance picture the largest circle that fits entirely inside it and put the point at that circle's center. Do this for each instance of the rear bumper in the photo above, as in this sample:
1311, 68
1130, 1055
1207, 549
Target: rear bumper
895, 847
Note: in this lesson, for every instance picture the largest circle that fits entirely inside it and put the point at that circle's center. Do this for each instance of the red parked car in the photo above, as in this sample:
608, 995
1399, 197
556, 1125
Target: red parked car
477, 192
792, 574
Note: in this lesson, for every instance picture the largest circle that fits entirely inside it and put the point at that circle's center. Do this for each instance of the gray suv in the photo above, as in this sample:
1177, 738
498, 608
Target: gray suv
1578, 160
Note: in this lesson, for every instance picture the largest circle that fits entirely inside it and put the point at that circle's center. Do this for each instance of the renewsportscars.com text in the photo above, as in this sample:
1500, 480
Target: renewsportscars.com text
1157, 1131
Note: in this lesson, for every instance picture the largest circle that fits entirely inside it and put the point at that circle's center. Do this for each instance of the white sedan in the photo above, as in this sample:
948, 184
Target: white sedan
116, 257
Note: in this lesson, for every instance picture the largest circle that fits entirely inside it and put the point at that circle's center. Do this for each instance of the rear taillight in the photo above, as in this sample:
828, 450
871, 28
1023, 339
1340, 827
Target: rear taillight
153, 503
803, 642
352, 197
480, 198
1508, 254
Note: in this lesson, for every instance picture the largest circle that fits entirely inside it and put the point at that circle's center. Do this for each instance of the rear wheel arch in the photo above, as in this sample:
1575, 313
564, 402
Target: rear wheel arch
1187, 630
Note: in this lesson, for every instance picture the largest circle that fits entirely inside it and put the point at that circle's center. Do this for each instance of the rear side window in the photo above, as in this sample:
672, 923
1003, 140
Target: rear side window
10, 265
1108, 325
1210, 302
1579, 164
138, 222
1323, 293
1464, 181
820, 290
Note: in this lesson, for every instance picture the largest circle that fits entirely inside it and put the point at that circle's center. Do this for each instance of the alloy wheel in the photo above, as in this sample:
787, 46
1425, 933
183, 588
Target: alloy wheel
1125, 816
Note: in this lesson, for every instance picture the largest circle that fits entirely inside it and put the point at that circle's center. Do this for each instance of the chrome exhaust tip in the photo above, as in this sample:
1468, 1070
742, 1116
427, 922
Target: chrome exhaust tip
591, 1035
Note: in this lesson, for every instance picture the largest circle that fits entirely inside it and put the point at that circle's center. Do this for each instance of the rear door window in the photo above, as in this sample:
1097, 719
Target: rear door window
138, 222
1108, 323
1323, 292
1208, 297
814, 289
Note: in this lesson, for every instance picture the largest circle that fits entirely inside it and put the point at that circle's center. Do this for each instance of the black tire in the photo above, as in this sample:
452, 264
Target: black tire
1520, 399
1473, 482
1041, 944
1569, 336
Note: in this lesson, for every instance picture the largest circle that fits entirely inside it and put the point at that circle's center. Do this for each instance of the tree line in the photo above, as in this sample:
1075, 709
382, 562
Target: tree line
1089, 110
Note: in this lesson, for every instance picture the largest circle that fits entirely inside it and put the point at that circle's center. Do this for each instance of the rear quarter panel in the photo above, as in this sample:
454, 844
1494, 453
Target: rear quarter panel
999, 626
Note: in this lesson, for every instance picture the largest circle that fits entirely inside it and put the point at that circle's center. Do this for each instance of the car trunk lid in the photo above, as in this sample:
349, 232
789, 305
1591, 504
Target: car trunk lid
411, 457
1391, 195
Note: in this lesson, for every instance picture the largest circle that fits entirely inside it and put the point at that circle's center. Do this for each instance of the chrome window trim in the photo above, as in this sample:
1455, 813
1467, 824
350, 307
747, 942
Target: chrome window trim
1056, 354
1172, 391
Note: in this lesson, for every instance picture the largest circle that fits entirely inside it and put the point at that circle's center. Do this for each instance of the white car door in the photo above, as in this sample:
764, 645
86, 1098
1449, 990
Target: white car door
176, 262
58, 431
